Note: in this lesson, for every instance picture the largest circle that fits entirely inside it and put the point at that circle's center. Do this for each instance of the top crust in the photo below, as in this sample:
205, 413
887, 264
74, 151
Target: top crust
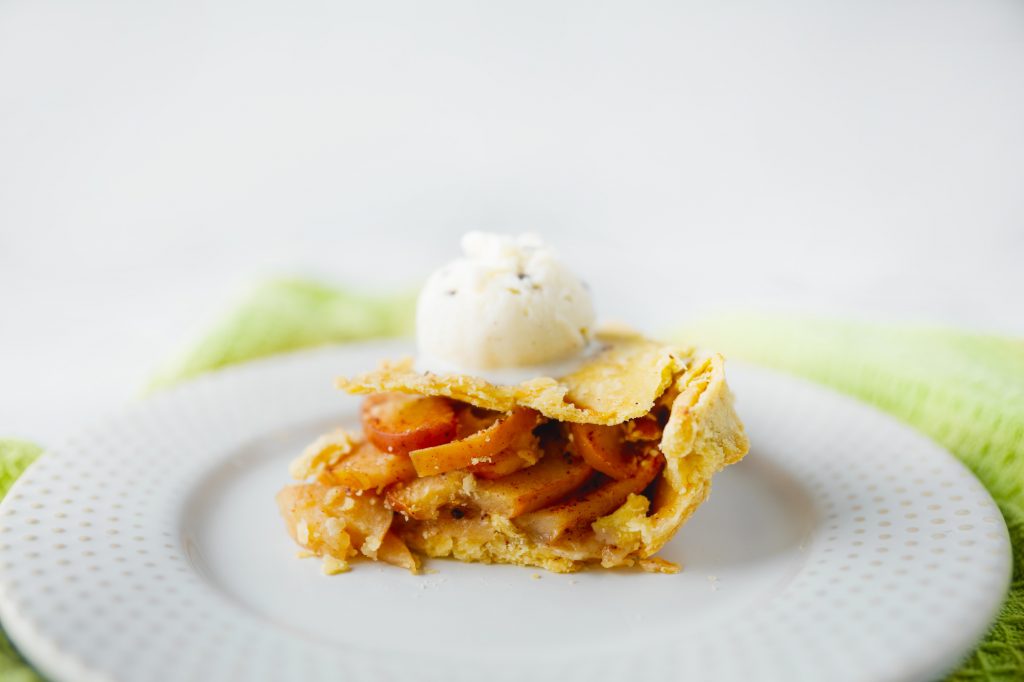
620, 383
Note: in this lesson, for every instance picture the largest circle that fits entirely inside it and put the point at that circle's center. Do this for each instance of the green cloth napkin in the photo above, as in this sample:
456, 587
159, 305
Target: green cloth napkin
966, 392
289, 314
15, 456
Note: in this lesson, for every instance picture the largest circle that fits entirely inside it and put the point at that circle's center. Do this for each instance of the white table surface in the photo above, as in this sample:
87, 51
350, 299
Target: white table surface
847, 158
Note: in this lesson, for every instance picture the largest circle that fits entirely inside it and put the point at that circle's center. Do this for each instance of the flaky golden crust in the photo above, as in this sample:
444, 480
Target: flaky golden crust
702, 437
621, 382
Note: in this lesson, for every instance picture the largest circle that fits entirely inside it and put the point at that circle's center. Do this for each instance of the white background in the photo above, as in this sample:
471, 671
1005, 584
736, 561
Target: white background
850, 158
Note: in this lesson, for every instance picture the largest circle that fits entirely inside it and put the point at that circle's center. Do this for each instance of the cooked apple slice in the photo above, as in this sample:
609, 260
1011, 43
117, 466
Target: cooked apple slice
547, 524
394, 551
369, 468
475, 448
604, 449
300, 503
523, 451
642, 428
400, 423
549, 480
471, 419
506, 462
328, 522
422, 498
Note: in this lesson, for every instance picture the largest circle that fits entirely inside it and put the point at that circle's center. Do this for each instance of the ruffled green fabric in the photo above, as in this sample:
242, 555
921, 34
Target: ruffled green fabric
15, 456
286, 315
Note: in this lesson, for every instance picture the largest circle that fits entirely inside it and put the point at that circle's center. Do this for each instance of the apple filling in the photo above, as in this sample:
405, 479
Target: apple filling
443, 477
601, 466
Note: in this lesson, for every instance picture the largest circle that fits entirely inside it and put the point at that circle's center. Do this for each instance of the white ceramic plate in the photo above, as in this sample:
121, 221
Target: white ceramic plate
845, 547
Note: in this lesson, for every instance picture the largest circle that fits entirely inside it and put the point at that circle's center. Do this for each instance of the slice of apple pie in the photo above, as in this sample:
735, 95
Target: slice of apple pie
600, 466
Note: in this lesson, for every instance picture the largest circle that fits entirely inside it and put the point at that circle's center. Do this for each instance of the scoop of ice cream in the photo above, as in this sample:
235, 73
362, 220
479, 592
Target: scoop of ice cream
509, 302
